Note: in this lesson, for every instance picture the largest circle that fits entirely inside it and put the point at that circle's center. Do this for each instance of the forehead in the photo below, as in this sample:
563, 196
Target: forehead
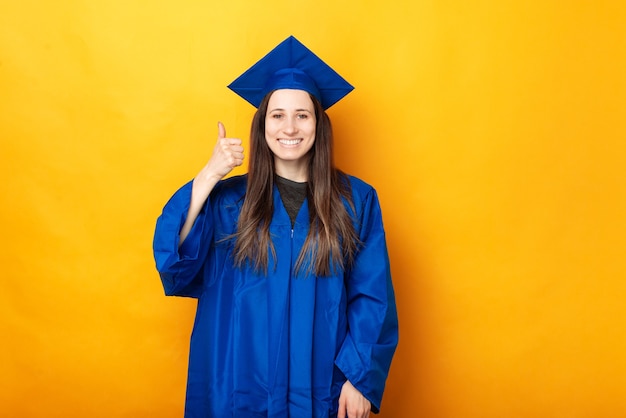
289, 98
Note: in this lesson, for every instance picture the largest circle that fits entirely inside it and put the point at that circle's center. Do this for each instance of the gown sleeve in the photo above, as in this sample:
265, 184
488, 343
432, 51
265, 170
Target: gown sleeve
365, 355
180, 267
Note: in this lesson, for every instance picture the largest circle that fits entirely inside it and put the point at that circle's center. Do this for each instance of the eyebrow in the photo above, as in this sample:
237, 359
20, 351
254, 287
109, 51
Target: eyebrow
279, 109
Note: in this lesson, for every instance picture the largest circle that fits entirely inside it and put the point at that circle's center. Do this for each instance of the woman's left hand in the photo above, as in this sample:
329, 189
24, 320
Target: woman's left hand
352, 404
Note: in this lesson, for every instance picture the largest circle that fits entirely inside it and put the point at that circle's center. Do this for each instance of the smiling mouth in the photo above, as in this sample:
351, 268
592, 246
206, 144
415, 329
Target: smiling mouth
290, 141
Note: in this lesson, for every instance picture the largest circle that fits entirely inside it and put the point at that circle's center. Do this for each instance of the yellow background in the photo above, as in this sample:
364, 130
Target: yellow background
493, 130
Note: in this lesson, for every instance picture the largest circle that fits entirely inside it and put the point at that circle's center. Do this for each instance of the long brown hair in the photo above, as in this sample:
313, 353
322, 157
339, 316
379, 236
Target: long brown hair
332, 242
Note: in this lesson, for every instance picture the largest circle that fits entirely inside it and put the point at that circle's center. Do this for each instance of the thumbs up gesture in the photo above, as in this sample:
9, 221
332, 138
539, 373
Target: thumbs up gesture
227, 154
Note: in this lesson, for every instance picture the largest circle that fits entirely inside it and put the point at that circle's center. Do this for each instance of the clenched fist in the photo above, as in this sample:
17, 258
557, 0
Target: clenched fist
227, 154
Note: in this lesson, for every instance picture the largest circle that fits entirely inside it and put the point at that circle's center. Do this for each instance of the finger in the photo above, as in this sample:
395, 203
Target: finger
230, 150
342, 408
234, 162
221, 131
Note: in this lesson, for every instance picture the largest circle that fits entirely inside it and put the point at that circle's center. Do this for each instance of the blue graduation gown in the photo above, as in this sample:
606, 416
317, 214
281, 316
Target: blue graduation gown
281, 344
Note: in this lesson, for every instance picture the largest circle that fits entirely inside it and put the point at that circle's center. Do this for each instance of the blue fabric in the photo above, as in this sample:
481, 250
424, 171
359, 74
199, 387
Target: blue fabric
291, 65
292, 78
279, 345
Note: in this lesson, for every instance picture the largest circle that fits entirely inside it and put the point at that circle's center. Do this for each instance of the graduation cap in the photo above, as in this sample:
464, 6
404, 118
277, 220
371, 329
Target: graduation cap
291, 65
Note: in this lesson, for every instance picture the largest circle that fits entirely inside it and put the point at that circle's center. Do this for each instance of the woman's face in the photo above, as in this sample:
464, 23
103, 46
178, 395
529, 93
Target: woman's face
290, 127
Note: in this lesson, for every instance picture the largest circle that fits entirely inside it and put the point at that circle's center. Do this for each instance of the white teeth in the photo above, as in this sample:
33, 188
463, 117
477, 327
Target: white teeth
289, 141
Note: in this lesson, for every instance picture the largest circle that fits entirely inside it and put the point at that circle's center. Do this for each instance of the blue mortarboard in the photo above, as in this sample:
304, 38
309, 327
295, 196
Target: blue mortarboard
291, 65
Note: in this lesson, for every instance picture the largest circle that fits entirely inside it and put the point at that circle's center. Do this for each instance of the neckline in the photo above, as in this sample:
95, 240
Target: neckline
289, 182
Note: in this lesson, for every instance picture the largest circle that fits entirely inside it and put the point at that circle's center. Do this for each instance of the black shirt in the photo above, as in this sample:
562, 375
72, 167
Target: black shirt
292, 194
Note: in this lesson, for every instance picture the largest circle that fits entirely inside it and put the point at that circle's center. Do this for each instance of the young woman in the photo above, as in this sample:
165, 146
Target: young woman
296, 312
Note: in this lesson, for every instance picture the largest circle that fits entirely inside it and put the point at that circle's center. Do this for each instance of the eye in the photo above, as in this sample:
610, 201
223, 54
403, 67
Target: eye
277, 115
303, 116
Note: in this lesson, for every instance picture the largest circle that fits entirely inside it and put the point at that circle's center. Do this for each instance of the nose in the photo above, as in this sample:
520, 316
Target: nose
291, 126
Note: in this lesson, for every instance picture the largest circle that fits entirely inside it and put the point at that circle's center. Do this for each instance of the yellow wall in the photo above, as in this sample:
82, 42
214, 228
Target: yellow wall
495, 132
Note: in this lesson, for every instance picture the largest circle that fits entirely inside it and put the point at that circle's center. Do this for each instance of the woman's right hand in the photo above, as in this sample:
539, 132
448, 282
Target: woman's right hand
227, 154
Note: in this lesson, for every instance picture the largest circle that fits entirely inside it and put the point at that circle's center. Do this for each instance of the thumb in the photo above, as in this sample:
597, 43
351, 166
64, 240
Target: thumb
221, 131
